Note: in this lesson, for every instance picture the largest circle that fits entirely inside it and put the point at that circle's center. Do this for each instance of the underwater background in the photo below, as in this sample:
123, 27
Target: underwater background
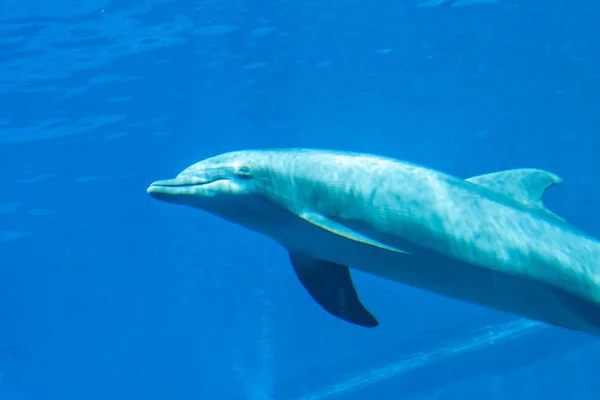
106, 293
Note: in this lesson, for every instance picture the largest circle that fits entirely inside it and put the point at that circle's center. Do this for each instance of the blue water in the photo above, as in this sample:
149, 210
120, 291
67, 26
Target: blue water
106, 293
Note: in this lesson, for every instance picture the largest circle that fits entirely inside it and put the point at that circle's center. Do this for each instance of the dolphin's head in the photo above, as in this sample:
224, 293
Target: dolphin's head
213, 179
231, 185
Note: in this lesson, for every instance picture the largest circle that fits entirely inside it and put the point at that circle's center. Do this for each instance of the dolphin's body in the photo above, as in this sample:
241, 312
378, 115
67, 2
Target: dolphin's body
487, 240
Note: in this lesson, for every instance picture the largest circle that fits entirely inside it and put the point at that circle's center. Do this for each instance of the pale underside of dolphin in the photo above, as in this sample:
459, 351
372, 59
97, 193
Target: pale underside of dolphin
488, 240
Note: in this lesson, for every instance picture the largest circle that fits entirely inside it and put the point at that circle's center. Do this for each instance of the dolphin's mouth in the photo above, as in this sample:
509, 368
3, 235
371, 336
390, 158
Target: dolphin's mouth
180, 186
180, 182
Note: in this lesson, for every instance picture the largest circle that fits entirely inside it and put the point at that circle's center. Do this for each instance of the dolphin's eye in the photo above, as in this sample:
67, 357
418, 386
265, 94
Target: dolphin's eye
243, 171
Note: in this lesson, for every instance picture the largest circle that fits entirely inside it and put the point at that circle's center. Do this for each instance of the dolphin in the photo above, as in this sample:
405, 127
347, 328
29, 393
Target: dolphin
488, 240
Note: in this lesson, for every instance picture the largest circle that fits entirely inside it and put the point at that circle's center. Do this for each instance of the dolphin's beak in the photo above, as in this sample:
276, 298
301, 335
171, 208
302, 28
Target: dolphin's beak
162, 190
167, 183
180, 189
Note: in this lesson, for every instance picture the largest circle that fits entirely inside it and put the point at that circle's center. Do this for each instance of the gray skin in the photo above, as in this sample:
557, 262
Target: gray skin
487, 240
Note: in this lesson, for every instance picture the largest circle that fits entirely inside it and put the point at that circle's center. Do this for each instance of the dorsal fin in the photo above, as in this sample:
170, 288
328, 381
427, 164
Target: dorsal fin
526, 186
